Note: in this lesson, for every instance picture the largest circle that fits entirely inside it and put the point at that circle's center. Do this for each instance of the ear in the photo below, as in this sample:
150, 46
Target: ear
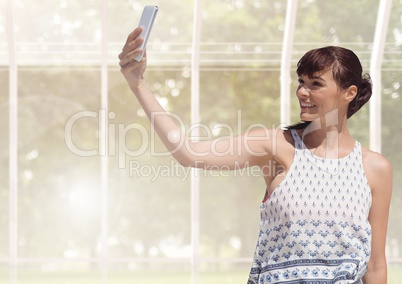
350, 93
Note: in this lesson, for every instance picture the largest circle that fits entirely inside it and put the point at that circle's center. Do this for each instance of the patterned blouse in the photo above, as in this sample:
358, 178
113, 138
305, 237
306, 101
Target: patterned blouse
314, 226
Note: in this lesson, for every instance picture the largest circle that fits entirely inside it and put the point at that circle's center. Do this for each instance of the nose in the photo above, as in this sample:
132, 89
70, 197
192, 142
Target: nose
302, 91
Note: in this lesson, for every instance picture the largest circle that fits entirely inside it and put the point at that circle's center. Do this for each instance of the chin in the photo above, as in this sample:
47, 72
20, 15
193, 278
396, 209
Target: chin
306, 117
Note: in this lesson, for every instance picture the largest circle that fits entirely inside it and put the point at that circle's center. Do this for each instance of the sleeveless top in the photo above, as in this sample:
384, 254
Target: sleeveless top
314, 226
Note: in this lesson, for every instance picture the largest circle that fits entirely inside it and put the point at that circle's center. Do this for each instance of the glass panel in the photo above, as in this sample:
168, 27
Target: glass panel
240, 57
150, 193
59, 170
149, 190
242, 33
66, 32
231, 103
391, 131
391, 143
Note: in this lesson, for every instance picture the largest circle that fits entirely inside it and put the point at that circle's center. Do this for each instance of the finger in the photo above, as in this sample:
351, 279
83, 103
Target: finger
131, 65
130, 47
134, 34
130, 57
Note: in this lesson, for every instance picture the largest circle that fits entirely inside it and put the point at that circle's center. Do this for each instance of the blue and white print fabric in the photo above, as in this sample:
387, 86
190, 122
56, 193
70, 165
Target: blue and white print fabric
314, 226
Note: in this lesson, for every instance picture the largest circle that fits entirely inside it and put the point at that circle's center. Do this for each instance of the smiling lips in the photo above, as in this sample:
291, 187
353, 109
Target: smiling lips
306, 105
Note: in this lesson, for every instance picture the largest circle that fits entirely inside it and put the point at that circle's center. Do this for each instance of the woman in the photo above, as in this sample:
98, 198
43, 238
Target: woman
324, 217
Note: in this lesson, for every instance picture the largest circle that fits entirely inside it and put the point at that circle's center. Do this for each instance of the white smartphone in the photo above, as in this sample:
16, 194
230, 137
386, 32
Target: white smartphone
147, 20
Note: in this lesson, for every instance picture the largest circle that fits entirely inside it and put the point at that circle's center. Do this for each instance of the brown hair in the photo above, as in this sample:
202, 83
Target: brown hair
346, 70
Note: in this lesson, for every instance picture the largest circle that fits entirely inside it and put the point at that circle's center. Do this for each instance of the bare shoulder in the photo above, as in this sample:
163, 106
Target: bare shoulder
375, 161
282, 145
276, 141
281, 137
378, 169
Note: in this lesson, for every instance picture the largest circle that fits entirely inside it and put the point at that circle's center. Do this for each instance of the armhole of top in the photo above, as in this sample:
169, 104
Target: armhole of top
266, 197
297, 141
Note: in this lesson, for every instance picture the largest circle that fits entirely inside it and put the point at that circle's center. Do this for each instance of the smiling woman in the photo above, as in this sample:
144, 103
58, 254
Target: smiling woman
353, 246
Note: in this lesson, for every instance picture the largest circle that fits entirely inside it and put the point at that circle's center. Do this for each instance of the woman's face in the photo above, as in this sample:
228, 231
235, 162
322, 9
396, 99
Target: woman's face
319, 96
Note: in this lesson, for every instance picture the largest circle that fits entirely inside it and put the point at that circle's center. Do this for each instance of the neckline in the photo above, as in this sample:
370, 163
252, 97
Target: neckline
303, 147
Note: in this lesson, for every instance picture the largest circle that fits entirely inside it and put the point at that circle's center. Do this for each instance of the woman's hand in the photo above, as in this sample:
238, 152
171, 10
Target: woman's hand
133, 70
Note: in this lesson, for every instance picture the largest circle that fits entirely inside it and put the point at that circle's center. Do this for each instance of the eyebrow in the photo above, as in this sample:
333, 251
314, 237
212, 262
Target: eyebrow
314, 78
318, 78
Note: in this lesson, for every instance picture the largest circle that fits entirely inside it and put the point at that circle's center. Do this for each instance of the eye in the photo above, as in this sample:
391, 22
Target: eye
315, 83
301, 81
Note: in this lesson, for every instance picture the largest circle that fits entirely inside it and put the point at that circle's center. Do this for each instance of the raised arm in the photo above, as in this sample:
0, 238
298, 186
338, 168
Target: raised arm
248, 149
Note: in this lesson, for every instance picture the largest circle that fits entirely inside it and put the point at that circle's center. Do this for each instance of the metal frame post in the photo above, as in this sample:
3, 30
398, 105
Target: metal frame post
13, 137
286, 60
195, 118
384, 11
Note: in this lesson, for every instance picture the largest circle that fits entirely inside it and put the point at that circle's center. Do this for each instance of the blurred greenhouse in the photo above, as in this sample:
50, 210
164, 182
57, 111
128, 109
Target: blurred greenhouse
88, 193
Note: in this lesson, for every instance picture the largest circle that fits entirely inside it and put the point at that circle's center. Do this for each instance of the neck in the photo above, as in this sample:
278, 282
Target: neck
328, 135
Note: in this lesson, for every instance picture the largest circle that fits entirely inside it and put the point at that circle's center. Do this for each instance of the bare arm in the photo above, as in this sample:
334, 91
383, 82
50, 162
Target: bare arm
248, 149
379, 173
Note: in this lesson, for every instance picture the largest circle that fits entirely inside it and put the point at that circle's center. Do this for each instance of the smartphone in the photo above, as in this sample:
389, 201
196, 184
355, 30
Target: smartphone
147, 20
